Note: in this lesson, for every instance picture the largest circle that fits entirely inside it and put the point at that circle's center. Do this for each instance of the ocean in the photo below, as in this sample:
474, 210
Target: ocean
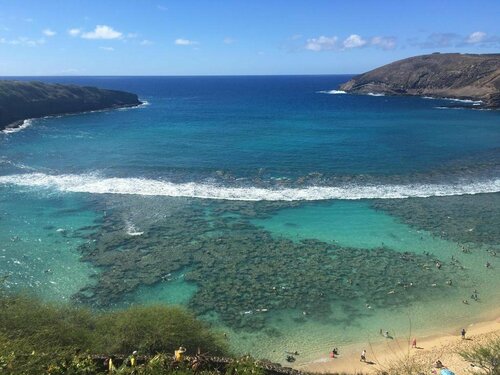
288, 214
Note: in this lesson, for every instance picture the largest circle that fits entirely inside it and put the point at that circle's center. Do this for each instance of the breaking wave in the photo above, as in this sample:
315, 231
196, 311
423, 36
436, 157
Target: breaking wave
465, 101
94, 184
24, 125
332, 92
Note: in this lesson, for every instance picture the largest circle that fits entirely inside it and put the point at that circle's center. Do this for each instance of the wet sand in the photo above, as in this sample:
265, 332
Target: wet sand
380, 355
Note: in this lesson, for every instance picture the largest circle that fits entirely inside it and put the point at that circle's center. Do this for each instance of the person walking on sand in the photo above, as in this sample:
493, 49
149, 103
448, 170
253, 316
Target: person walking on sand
363, 356
414, 343
463, 333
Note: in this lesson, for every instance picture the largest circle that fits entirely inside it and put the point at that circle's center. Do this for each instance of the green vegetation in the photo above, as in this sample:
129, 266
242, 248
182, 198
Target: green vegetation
485, 356
36, 336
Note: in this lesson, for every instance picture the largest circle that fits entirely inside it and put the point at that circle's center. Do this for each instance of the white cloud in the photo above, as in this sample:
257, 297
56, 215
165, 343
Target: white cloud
146, 42
322, 43
49, 32
23, 41
476, 37
228, 40
74, 32
102, 32
132, 35
162, 8
354, 41
384, 42
107, 48
184, 42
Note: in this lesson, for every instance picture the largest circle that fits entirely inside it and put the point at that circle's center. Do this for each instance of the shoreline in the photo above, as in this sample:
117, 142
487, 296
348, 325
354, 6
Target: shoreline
430, 348
18, 125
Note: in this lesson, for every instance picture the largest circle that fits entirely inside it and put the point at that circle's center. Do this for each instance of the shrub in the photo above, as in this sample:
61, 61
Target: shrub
156, 329
485, 356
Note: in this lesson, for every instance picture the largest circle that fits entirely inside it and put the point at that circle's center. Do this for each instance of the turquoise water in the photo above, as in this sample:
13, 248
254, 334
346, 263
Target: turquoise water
39, 240
290, 218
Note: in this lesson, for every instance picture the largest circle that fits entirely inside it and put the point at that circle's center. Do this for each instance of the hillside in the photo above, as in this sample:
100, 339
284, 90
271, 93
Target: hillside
450, 75
23, 100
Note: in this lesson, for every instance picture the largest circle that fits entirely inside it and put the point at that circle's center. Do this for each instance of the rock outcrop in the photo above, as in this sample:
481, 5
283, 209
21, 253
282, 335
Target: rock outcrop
24, 100
447, 75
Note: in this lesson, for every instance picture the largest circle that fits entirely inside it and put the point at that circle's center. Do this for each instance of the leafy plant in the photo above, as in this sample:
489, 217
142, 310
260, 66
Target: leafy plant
485, 356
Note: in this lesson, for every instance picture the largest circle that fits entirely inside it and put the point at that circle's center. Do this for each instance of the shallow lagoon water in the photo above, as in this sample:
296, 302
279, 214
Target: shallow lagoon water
69, 232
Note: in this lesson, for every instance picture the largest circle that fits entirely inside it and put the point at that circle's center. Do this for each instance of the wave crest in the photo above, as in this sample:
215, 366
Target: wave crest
332, 92
24, 125
94, 184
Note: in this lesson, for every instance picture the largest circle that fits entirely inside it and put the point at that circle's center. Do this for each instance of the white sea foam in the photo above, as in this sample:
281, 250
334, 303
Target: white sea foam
376, 94
465, 101
132, 230
144, 103
24, 125
460, 108
332, 92
94, 184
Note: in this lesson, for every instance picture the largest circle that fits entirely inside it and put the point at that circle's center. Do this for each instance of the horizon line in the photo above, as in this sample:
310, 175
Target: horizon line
182, 75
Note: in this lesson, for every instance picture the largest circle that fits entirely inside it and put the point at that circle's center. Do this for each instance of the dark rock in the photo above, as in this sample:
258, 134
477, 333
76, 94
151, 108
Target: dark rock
24, 100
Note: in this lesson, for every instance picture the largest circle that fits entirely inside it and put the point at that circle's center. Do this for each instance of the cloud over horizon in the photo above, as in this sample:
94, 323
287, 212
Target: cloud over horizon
354, 41
454, 40
102, 32
184, 42
48, 32
325, 43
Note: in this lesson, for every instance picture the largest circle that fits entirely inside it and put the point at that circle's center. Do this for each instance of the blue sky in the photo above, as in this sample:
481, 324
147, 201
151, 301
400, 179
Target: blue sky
166, 37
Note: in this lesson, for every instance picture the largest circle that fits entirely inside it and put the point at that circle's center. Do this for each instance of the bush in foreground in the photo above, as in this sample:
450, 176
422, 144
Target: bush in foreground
486, 356
36, 336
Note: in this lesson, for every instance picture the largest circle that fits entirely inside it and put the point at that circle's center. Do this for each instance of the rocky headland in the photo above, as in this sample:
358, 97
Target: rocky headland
25, 100
440, 75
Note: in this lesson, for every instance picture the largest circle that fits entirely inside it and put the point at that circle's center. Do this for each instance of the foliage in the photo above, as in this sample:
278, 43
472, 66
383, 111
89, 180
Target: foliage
156, 329
244, 366
405, 364
38, 337
485, 356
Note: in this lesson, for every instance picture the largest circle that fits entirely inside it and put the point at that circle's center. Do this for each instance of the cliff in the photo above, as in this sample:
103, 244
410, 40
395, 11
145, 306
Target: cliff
24, 100
449, 75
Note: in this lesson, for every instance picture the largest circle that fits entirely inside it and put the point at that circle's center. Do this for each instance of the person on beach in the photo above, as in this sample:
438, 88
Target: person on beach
463, 333
414, 343
363, 356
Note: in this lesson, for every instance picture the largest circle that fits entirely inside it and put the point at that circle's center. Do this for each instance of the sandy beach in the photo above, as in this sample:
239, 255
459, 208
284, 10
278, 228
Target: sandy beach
380, 355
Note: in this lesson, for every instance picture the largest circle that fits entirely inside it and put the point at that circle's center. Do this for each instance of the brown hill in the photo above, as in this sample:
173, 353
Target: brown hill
449, 75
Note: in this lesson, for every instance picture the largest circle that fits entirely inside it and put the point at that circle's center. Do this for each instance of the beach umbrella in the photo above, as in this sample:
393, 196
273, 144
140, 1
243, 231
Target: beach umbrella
445, 371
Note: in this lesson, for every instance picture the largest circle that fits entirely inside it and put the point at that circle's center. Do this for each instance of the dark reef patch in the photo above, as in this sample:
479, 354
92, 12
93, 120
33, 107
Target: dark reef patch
463, 219
244, 274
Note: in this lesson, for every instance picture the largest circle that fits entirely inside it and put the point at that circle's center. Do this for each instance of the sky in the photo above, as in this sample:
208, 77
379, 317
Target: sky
235, 37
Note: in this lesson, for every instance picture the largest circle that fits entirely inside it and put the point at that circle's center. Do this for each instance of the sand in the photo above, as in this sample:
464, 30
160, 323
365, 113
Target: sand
441, 347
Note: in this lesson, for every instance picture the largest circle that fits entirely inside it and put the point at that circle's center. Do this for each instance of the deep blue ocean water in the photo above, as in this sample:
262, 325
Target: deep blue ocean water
206, 151
247, 126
